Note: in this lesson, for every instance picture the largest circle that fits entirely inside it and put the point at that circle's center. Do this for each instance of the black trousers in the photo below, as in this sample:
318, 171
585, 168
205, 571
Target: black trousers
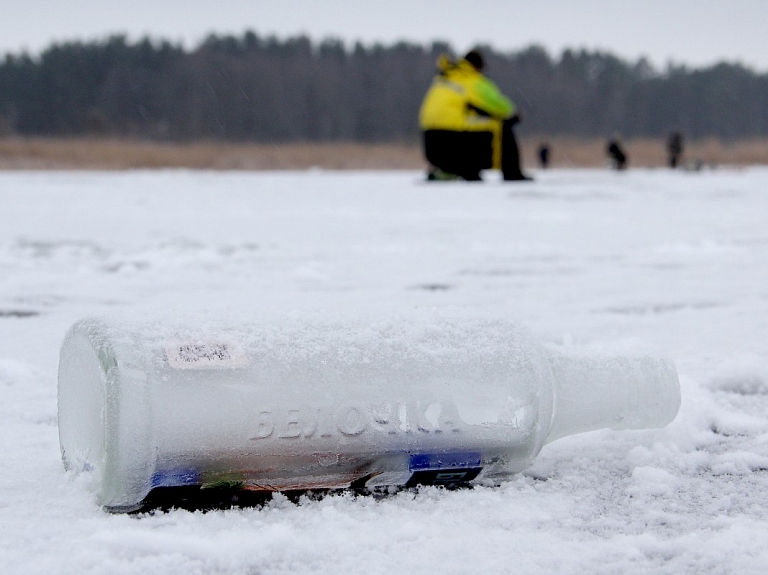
467, 153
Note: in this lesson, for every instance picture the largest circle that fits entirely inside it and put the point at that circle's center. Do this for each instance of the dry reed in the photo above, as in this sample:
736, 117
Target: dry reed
18, 153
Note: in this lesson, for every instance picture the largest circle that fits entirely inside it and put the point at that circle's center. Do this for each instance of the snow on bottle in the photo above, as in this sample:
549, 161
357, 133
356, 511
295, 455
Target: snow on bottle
304, 404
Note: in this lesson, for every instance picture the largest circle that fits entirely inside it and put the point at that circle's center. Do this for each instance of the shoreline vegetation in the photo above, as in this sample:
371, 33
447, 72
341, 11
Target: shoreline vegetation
24, 153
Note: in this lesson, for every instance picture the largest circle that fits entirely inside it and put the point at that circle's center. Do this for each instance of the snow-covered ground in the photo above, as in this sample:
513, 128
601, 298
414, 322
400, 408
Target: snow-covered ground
592, 260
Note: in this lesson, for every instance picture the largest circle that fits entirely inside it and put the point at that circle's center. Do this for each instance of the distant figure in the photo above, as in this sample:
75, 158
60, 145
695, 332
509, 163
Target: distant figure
617, 154
674, 148
467, 123
544, 156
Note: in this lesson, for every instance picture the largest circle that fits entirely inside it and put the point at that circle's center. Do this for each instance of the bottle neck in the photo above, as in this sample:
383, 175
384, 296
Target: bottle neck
617, 393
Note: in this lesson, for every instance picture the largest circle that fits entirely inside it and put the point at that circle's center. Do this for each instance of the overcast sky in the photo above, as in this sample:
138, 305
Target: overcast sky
694, 32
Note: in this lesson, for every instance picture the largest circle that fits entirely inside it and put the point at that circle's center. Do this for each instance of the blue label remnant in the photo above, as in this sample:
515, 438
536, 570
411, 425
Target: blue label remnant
460, 459
176, 478
446, 469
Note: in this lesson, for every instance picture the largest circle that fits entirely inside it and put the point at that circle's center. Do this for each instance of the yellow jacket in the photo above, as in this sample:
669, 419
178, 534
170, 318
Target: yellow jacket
461, 99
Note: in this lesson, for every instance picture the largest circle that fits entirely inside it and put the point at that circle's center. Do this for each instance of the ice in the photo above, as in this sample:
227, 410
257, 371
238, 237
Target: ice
672, 264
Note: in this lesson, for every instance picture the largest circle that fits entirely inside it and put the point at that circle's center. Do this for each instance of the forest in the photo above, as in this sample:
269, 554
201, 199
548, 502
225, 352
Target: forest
251, 88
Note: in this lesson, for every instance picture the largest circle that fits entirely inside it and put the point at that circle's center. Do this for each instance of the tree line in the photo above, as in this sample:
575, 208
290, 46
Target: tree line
263, 89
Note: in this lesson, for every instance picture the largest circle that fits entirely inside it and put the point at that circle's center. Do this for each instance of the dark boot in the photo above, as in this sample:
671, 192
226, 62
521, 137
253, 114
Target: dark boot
510, 154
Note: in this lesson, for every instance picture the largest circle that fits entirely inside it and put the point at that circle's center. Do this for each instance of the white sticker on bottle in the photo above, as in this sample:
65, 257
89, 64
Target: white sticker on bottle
205, 354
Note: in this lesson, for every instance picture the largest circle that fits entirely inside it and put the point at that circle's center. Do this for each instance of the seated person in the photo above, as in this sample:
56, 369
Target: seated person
544, 156
675, 148
467, 123
616, 153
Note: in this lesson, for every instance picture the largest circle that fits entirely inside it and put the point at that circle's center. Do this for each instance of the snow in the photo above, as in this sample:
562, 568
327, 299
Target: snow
589, 261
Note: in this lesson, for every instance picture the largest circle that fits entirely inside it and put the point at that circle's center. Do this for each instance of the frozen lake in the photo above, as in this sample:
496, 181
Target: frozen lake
676, 263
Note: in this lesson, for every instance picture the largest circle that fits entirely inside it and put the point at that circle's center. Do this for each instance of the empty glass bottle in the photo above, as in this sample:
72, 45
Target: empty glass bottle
303, 404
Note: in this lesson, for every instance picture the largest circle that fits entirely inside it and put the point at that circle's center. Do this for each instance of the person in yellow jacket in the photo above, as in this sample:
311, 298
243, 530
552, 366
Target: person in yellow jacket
467, 123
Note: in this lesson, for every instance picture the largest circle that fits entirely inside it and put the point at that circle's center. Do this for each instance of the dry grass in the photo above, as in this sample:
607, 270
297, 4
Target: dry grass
111, 154
45, 153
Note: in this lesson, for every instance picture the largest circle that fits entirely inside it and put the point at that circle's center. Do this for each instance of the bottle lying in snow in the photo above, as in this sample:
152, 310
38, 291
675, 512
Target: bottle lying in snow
309, 404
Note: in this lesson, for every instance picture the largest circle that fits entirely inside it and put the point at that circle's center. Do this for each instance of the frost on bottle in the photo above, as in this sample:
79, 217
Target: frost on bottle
305, 404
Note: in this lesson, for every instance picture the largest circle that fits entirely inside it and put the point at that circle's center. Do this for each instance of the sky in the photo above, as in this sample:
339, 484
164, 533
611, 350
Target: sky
692, 32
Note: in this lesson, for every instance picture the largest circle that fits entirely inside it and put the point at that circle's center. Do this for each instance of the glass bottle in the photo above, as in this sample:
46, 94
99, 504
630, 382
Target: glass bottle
307, 404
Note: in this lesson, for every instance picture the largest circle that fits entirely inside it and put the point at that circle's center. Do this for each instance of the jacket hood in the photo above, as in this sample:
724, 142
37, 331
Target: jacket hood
446, 63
